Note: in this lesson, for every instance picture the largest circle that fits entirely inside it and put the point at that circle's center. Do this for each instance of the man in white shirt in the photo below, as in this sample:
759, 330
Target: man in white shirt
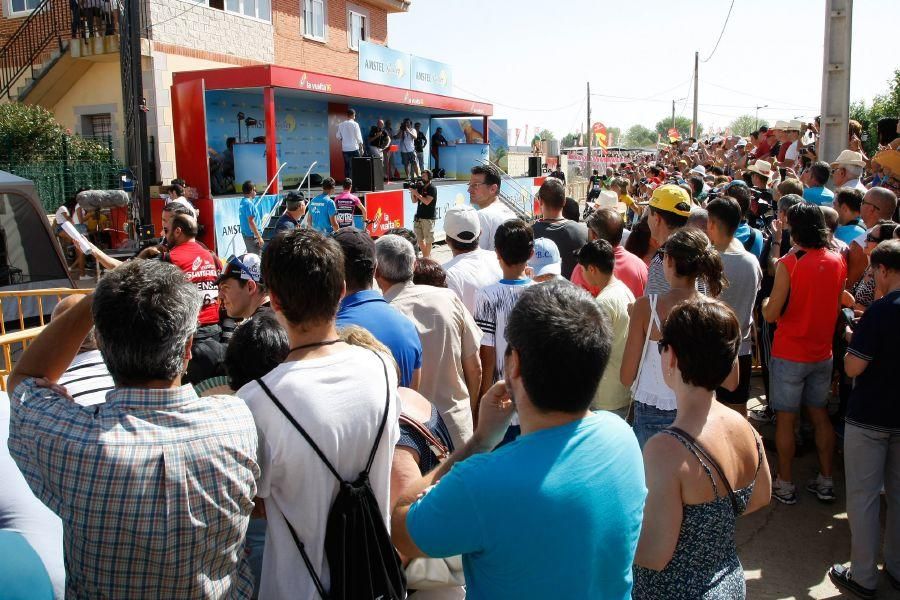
351, 141
336, 392
792, 136
484, 186
471, 267
847, 169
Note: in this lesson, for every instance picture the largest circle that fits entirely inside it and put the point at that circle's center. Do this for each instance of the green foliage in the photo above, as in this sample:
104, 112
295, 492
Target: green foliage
569, 140
639, 136
883, 106
682, 124
29, 133
744, 125
614, 135
546, 134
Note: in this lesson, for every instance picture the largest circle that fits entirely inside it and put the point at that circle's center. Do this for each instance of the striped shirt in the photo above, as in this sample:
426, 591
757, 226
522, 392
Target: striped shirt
87, 379
154, 488
493, 304
657, 284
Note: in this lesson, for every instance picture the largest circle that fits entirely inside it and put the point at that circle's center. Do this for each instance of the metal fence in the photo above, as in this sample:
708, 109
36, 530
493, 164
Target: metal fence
57, 180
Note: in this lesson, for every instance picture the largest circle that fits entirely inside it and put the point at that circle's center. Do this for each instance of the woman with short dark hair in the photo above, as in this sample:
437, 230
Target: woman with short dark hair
702, 472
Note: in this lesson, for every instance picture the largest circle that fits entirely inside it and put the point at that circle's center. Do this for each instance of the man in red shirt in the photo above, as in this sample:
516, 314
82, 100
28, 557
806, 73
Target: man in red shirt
606, 224
202, 268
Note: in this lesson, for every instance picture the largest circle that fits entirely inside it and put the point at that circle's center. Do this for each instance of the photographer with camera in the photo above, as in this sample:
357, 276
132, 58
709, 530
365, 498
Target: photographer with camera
424, 195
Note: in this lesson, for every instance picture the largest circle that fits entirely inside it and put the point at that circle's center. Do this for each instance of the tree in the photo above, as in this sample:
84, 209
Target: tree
744, 125
883, 106
570, 139
546, 134
30, 133
639, 136
682, 124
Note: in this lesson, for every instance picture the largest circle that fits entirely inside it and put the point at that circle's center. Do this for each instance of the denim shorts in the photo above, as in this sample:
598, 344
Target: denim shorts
792, 384
409, 158
649, 420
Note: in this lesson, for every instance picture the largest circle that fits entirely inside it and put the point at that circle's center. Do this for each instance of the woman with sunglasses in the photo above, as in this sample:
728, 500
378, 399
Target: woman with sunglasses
704, 471
864, 290
687, 257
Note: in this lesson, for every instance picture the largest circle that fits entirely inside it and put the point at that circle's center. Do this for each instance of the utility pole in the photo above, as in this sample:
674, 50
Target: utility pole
673, 113
835, 79
696, 82
757, 115
589, 132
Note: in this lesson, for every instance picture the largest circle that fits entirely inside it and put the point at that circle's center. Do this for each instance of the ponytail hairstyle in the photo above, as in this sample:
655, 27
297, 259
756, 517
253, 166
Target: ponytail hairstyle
694, 257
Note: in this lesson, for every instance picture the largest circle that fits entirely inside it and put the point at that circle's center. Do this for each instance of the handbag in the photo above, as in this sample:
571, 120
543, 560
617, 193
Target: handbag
432, 573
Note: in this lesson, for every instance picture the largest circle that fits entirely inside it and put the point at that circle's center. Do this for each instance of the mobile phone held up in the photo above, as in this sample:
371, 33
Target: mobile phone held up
849, 317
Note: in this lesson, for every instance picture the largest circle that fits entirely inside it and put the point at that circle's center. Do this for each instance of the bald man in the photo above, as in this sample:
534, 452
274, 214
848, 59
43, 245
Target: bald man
86, 380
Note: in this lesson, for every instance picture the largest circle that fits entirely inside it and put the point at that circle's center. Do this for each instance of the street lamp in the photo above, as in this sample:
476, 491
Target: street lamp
757, 115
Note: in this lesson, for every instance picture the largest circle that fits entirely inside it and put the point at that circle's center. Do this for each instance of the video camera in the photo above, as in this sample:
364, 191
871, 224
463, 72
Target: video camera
417, 183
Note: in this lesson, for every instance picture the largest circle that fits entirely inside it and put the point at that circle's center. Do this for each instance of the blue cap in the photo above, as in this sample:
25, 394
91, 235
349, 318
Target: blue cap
546, 259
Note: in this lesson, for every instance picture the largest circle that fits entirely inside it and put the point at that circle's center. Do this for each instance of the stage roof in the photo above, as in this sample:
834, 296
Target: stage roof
331, 88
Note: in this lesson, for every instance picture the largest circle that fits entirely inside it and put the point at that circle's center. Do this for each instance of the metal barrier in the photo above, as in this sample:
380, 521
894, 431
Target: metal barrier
24, 334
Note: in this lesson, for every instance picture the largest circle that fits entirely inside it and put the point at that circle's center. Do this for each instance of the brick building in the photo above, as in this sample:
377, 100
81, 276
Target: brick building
78, 79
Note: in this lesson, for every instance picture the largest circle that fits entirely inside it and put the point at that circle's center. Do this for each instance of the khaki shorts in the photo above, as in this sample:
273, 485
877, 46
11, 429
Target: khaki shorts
424, 229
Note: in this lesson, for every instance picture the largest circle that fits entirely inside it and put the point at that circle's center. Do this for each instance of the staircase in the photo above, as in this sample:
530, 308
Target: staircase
35, 47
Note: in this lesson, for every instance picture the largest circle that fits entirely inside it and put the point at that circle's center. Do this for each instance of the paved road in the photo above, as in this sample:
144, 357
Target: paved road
786, 550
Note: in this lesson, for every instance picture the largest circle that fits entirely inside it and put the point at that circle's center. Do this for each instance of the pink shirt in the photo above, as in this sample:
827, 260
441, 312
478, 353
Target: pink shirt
629, 269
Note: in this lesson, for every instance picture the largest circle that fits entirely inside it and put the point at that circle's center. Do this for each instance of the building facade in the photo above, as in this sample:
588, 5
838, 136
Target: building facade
78, 78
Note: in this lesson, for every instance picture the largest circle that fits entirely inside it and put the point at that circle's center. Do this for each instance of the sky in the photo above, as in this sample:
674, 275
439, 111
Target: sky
533, 59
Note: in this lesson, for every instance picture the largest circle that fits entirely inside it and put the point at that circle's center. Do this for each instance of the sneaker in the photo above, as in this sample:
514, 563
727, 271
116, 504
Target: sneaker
822, 487
783, 491
842, 578
762, 415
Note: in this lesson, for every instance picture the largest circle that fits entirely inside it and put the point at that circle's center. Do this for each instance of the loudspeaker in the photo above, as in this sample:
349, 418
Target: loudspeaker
534, 166
364, 176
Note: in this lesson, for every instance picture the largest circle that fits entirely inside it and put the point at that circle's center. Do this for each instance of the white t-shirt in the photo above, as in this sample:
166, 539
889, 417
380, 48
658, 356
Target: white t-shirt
407, 140
468, 273
491, 217
350, 135
63, 215
339, 400
793, 151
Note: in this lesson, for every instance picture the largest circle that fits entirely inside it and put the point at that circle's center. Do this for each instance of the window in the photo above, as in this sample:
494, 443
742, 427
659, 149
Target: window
314, 19
22, 6
357, 29
100, 125
255, 9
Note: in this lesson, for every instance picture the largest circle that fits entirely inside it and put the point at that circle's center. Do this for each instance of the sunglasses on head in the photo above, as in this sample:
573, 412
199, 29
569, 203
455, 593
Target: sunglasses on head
235, 262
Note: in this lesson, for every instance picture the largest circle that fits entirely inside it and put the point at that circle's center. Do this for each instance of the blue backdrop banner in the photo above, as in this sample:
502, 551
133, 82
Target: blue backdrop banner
431, 76
380, 64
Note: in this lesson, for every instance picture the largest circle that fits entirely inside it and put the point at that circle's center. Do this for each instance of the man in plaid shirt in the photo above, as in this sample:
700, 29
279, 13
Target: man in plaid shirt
155, 486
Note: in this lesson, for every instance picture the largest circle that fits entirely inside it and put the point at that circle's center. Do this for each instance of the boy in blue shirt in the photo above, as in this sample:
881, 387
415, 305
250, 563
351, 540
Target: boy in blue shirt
249, 216
557, 512
322, 209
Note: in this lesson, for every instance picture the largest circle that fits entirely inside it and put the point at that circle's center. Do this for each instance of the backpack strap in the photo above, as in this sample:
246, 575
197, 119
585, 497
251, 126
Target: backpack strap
438, 448
712, 462
387, 405
299, 428
751, 240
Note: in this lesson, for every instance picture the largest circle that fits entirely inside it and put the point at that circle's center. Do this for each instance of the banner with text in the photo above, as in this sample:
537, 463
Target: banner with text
430, 76
380, 64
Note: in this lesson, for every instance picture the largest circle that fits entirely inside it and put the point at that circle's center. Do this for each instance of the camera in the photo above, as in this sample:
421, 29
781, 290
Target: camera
417, 184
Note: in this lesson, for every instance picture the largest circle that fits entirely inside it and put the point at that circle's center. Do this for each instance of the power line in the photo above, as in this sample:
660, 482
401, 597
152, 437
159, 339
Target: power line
523, 109
785, 102
721, 33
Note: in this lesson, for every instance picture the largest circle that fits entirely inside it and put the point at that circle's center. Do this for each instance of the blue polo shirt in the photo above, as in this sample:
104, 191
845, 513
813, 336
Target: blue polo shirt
820, 196
849, 232
369, 310
247, 210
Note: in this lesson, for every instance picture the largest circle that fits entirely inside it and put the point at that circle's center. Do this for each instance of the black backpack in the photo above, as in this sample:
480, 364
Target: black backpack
361, 557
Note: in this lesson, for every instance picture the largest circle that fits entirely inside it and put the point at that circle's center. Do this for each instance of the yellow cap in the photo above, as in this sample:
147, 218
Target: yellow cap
890, 161
671, 198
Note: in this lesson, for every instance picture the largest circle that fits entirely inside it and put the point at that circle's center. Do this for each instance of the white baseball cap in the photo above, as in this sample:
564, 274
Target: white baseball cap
546, 259
461, 223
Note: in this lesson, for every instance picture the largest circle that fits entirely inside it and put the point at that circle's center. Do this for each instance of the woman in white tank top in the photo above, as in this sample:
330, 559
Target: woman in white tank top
687, 256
